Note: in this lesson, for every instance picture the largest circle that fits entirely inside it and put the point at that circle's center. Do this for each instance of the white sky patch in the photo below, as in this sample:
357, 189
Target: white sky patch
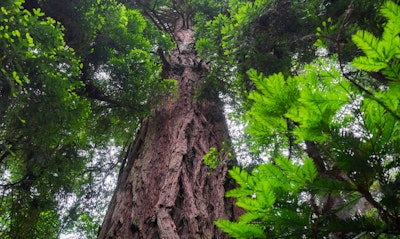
236, 132
105, 180
69, 236
236, 128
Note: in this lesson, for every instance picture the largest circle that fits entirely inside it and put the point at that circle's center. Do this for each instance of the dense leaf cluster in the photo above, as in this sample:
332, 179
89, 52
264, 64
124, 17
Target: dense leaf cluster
334, 140
42, 121
75, 80
273, 36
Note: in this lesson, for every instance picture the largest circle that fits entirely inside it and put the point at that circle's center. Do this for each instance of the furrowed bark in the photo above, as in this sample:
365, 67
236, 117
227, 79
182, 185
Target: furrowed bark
165, 190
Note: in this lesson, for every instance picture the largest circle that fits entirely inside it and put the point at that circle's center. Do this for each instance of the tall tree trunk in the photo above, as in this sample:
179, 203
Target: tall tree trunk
165, 190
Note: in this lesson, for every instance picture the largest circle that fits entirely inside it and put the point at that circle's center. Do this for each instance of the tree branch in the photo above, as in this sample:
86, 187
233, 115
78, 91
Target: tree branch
94, 93
349, 11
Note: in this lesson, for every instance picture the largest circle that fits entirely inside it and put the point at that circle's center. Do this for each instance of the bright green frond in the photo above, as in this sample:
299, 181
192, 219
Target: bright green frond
252, 216
368, 64
240, 192
265, 194
241, 177
381, 54
392, 12
308, 170
240, 230
371, 45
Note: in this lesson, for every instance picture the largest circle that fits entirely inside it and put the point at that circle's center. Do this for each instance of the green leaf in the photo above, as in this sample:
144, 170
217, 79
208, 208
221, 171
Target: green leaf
264, 194
381, 54
4, 11
211, 159
392, 12
240, 230
309, 170
30, 40
371, 45
368, 64
250, 204
240, 192
241, 177
16, 78
38, 12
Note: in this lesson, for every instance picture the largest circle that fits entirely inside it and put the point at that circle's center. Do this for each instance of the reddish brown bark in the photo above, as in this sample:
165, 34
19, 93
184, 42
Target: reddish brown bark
165, 190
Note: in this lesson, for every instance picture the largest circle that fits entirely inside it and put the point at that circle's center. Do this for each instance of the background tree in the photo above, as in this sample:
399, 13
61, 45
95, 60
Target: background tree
42, 122
273, 36
165, 190
62, 109
119, 80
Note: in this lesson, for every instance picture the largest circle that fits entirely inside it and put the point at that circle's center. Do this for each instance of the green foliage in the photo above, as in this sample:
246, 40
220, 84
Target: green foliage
122, 67
274, 36
119, 66
211, 159
215, 157
68, 92
341, 179
207, 9
311, 100
71, 88
268, 195
240, 230
381, 54
42, 122
253, 34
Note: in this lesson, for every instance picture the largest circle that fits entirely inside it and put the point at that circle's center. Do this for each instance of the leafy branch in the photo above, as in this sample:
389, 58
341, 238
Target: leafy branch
381, 54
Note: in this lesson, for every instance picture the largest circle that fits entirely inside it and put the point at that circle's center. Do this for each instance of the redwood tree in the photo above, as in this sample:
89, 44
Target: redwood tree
164, 190
97, 93
98, 70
